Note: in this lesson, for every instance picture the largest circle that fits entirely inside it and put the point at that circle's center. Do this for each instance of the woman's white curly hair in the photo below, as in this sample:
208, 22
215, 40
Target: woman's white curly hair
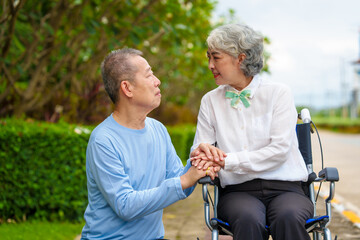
235, 39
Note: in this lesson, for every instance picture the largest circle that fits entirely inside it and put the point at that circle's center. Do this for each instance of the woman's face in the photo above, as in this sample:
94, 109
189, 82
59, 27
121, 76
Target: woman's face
224, 67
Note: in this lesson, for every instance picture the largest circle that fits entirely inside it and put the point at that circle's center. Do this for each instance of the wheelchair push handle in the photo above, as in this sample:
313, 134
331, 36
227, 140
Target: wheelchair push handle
305, 115
205, 180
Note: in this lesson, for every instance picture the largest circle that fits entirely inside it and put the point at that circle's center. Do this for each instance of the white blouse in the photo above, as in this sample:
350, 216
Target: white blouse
260, 141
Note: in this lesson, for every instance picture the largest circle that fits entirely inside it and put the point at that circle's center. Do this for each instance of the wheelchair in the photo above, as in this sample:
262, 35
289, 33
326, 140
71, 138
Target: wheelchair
318, 224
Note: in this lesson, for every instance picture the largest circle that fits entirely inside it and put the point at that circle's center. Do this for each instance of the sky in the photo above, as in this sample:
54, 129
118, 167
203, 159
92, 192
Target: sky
313, 45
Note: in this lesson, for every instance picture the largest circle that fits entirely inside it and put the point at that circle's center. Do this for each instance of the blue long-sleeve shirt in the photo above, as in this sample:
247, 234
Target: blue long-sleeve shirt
131, 176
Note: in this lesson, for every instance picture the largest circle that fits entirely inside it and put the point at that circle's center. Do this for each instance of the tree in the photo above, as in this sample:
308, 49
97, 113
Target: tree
51, 52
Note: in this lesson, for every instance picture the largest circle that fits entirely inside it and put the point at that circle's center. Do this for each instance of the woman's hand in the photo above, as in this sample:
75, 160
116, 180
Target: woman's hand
206, 155
202, 162
211, 152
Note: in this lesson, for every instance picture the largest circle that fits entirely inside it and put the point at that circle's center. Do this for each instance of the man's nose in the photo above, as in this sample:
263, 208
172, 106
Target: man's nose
157, 82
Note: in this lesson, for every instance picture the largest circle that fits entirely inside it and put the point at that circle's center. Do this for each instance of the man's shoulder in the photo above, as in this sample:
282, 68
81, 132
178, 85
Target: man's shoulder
104, 124
154, 123
102, 130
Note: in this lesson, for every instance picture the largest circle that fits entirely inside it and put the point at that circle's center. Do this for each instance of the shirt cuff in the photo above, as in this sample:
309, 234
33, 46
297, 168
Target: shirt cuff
237, 162
179, 189
193, 148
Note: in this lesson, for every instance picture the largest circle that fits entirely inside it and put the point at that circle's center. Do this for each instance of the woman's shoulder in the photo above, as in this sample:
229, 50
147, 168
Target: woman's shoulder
269, 84
219, 91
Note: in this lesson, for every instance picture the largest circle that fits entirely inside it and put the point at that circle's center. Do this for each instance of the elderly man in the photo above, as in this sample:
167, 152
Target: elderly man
132, 168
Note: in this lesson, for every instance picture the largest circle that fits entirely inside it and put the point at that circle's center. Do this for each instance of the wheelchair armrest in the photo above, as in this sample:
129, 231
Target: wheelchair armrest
311, 178
329, 174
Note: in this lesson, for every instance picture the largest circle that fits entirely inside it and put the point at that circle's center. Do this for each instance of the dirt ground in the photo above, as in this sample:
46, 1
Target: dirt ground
185, 220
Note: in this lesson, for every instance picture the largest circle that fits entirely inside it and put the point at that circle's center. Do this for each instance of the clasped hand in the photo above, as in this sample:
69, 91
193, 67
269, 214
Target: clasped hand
207, 156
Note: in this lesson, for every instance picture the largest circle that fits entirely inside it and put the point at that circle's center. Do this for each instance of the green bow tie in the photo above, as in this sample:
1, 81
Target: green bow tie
237, 97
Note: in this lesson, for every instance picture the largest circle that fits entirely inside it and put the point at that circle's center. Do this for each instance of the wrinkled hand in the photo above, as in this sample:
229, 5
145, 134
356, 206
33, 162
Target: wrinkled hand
206, 155
211, 152
194, 174
202, 162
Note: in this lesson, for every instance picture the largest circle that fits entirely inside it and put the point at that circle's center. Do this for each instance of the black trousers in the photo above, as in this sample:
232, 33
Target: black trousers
250, 206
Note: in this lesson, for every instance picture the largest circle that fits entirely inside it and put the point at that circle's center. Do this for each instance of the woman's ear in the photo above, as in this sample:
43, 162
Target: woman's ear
127, 88
241, 57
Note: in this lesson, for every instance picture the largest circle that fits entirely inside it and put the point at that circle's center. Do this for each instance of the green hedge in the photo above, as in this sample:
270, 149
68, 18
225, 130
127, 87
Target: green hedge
338, 124
42, 168
182, 138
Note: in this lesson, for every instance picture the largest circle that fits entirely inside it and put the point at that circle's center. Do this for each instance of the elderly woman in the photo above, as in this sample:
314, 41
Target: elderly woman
253, 121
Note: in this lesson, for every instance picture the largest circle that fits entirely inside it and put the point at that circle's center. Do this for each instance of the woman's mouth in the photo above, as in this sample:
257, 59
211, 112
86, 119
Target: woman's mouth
216, 75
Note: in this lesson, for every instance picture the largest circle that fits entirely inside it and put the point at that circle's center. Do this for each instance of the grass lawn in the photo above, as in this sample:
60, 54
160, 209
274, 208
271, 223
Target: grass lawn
40, 230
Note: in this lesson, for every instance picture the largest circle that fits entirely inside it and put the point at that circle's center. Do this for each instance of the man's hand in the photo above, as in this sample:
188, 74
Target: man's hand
194, 174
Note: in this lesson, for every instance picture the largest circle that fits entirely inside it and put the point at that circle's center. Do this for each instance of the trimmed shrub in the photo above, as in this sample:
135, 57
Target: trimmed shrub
338, 124
182, 138
43, 168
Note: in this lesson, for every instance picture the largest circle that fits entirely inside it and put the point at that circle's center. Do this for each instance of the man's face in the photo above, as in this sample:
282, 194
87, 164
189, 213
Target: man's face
146, 85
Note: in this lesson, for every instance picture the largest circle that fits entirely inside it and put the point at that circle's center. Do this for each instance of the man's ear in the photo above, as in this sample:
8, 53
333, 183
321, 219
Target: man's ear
241, 57
127, 88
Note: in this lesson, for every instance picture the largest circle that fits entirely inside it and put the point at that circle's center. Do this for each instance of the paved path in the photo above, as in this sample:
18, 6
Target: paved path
343, 152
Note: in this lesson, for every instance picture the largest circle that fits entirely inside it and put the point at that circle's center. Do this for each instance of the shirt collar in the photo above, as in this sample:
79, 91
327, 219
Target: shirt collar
253, 86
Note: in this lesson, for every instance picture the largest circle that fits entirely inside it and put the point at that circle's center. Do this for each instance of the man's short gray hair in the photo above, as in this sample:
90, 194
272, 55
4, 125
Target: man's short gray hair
235, 39
117, 67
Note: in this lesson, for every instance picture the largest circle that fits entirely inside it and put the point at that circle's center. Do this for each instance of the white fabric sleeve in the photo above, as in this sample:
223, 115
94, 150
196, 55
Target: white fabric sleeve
205, 132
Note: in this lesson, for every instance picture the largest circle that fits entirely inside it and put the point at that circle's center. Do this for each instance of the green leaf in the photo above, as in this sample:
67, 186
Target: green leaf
134, 38
90, 28
18, 44
49, 28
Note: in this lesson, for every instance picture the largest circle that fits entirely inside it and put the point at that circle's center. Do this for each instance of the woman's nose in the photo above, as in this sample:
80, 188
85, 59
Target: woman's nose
210, 65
